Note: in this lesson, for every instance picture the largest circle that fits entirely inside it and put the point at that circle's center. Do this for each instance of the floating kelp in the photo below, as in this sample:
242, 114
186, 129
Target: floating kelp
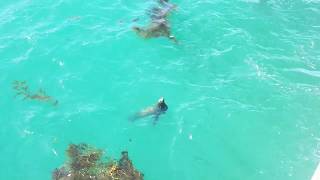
85, 163
22, 89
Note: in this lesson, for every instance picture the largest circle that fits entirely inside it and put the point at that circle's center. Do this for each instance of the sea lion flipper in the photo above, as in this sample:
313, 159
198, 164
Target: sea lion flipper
173, 39
155, 119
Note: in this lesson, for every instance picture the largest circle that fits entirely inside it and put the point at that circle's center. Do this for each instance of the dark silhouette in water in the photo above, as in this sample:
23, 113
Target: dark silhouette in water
159, 25
155, 111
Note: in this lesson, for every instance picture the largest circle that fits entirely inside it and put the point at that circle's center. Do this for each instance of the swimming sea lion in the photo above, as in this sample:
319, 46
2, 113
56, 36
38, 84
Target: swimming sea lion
155, 111
159, 25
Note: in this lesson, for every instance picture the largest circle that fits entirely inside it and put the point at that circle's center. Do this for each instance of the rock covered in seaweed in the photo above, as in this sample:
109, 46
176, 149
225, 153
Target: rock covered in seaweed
85, 163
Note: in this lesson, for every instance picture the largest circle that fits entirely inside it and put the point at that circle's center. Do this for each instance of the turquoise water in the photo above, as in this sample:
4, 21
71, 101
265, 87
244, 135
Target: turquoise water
242, 86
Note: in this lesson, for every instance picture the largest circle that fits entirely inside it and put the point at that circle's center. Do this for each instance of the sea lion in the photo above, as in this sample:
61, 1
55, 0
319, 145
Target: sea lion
159, 25
155, 111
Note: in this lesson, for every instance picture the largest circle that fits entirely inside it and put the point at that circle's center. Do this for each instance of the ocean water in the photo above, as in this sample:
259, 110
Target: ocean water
242, 86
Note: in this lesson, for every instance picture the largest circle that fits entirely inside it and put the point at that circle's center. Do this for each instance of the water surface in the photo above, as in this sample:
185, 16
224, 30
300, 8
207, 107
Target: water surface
242, 86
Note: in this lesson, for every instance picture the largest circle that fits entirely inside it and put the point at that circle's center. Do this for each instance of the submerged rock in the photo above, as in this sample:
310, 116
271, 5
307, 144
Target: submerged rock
85, 163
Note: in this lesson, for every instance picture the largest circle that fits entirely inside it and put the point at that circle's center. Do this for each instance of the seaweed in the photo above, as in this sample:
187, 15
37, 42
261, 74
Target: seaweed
85, 163
22, 89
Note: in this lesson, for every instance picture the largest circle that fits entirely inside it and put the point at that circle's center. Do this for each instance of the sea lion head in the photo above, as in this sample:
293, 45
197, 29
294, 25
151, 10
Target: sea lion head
162, 105
161, 100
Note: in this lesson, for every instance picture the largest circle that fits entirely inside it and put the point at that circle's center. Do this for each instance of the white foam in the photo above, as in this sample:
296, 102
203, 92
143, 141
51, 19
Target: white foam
251, 1
316, 175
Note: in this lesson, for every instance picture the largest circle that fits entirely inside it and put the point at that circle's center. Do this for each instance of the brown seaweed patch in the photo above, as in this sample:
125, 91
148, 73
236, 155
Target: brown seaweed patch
85, 163
22, 89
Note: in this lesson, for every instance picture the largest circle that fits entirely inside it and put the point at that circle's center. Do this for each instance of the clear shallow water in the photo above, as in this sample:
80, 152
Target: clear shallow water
244, 83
